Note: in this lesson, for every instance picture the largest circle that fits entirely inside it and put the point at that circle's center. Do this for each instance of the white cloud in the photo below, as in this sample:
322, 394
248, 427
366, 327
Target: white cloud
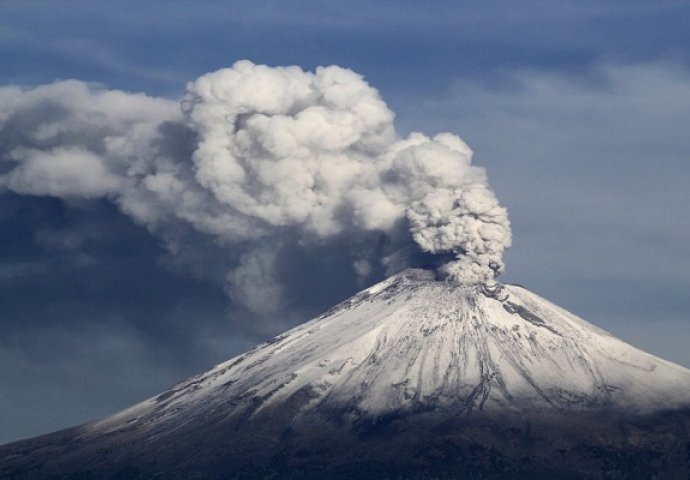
261, 157
60, 172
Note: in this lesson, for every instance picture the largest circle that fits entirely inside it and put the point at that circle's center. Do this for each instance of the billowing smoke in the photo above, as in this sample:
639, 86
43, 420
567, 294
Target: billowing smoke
265, 162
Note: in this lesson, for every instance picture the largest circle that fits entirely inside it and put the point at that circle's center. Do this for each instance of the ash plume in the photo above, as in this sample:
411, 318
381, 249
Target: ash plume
266, 163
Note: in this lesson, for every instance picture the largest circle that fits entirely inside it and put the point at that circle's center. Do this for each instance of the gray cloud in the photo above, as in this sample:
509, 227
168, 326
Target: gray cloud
260, 161
12, 271
594, 170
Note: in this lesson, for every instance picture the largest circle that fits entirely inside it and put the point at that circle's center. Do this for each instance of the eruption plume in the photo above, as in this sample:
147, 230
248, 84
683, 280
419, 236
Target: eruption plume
263, 161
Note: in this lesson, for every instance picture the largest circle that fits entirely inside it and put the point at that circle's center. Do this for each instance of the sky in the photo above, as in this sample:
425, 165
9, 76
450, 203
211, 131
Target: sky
577, 110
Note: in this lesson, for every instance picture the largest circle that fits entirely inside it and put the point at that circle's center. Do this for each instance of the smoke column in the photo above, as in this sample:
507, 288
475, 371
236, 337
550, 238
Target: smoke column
260, 161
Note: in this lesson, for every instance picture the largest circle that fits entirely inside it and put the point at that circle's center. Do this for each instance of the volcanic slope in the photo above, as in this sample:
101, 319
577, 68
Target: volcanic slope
412, 377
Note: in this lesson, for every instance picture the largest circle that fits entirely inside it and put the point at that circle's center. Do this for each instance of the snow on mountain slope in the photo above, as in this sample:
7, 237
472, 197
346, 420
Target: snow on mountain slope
411, 343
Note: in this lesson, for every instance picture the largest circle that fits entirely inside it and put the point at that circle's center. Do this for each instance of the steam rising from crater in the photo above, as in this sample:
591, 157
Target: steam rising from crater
261, 160
281, 147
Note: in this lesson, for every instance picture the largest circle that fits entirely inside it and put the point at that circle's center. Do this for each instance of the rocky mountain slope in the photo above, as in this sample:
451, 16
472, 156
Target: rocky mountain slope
411, 378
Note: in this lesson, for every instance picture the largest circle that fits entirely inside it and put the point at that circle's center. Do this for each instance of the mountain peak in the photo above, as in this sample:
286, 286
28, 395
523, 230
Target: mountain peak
413, 343
427, 362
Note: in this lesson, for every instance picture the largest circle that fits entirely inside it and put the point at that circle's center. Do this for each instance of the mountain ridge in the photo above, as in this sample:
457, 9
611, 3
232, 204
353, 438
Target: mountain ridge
356, 345
413, 364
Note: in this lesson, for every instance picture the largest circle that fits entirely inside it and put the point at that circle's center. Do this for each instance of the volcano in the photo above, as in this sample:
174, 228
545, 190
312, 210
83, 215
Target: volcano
410, 378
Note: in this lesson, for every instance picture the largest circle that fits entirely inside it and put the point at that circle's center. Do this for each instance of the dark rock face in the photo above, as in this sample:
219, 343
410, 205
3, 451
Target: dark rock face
410, 379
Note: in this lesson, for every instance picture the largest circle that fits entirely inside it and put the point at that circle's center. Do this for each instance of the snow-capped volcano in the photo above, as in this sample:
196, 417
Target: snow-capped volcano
417, 359
412, 343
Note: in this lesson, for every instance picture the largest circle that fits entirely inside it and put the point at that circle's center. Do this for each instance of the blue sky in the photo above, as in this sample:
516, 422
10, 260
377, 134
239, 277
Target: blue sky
578, 110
